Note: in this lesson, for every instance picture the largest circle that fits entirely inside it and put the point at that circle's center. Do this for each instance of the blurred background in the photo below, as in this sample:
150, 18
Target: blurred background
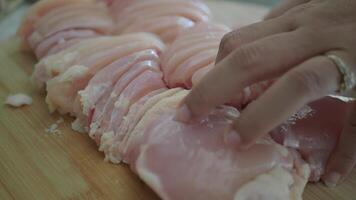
11, 12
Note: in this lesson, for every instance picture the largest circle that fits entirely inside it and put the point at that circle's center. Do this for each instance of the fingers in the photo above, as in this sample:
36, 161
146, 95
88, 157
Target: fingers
307, 82
260, 60
283, 7
250, 33
343, 160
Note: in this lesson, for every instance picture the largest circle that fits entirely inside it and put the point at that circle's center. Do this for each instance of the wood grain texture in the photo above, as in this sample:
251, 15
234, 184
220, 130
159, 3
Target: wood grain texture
38, 165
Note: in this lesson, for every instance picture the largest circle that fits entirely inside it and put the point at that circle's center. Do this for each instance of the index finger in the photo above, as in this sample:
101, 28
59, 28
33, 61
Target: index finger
307, 82
258, 61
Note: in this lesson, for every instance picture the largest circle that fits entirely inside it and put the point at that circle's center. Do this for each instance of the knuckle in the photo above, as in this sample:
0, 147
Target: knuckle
307, 81
247, 58
302, 14
310, 33
289, 20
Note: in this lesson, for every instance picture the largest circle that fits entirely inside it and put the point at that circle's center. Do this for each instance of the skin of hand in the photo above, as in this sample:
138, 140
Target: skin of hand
290, 44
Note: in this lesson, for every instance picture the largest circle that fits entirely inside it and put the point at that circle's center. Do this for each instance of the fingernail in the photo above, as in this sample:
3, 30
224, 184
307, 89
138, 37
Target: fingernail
183, 114
332, 179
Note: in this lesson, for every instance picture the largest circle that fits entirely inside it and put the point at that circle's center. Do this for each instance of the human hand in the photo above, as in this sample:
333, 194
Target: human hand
291, 45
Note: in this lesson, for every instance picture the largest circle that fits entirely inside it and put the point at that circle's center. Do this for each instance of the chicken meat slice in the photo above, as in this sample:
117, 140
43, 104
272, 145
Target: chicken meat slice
102, 115
193, 49
113, 145
61, 41
86, 19
72, 74
188, 152
92, 52
145, 83
101, 85
38, 11
160, 26
164, 18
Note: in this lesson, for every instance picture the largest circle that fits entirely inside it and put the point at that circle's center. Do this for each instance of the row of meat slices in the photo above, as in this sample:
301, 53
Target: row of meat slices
165, 18
124, 91
192, 55
52, 25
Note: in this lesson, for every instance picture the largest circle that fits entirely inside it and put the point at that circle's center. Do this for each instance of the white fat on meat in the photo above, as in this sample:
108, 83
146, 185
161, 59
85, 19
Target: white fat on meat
109, 75
276, 184
143, 84
103, 83
112, 146
68, 88
83, 54
103, 112
108, 138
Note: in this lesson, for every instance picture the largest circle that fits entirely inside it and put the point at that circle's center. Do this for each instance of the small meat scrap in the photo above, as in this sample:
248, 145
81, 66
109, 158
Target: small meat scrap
18, 100
53, 128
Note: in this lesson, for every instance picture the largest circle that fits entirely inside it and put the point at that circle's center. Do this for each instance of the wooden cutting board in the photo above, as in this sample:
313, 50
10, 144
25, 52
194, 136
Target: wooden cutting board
38, 165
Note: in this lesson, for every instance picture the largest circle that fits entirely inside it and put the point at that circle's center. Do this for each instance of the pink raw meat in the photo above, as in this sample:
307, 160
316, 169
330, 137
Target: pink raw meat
160, 26
187, 153
182, 76
142, 5
132, 93
193, 49
100, 25
164, 18
64, 45
77, 75
102, 113
103, 82
38, 11
200, 31
45, 47
105, 79
144, 83
114, 86
314, 131
180, 56
114, 146
79, 78
87, 16
56, 64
